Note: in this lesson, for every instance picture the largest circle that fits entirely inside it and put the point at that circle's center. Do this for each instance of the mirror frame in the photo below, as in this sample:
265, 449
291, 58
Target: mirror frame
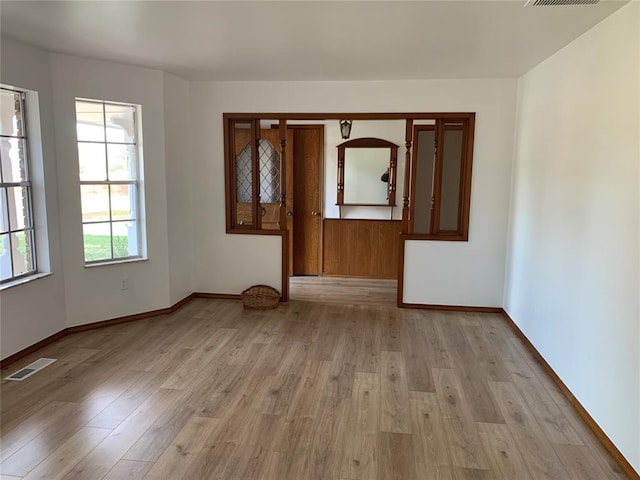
369, 142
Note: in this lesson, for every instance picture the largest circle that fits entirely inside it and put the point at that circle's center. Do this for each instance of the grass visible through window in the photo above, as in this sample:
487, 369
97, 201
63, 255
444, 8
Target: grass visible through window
22, 246
98, 247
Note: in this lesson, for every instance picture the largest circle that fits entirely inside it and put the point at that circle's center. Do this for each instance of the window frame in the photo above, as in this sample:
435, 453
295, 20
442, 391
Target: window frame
231, 177
467, 125
27, 184
411, 118
136, 183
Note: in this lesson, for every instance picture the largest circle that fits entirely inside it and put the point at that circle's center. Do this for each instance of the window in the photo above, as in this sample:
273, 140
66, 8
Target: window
109, 165
269, 161
17, 236
436, 188
254, 176
441, 179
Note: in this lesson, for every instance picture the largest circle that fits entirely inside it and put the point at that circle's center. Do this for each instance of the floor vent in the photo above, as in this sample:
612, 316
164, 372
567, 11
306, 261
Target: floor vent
30, 369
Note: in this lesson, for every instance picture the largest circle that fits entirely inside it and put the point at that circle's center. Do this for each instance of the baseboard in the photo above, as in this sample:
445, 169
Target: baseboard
181, 303
219, 296
118, 320
91, 326
368, 277
452, 308
33, 348
602, 437
626, 467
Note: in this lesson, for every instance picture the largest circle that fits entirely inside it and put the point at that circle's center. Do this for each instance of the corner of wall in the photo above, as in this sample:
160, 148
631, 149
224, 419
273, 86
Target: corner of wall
24, 321
179, 164
510, 225
574, 224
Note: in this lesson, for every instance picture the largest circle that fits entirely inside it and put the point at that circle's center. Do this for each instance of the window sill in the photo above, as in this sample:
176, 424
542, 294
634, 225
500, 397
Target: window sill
116, 262
437, 238
24, 280
252, 231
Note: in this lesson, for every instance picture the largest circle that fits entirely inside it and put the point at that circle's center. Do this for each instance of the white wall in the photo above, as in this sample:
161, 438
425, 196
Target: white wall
390, 130
573, 269
74, 294
35, 310
459, 273
93, 294
469, 273
223, 263
177, 139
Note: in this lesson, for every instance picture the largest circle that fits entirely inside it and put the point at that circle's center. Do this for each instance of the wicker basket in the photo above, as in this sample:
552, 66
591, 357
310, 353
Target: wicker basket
260, 297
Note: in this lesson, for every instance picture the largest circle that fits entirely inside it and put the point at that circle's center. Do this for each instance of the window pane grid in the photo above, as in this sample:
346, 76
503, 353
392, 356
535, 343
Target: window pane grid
22, 137
111, 236
108, 182
100, 142
17, 231
27, 215
103, 221
106, 158
114, 234
15, 184
25, 250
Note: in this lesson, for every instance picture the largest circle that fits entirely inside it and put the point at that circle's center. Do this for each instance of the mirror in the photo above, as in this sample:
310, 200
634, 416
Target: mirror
367, 172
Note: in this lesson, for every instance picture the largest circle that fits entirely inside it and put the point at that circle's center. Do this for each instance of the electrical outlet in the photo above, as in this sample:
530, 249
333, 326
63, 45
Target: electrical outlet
124, 284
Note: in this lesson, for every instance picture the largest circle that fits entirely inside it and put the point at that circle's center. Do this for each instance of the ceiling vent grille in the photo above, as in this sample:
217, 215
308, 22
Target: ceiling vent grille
556, 3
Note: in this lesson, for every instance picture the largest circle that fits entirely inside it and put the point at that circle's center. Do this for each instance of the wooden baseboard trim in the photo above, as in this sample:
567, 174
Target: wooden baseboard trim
602, 437
33, 348
181, 303
452, 308
91, 326
347, 275
118, 320
219, 296
130, 318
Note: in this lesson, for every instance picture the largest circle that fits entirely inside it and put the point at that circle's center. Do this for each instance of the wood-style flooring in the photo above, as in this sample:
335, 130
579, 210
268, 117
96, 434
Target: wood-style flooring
306, 391
355, 291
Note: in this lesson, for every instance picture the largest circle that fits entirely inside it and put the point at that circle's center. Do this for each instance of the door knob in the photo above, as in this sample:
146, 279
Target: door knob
289, 214
315, 214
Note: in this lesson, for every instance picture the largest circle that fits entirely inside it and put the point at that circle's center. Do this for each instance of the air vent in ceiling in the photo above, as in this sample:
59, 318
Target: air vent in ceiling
555, 3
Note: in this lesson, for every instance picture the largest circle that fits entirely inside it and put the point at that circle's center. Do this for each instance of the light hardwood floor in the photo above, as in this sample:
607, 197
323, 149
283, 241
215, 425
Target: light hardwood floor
356, 291
306, 391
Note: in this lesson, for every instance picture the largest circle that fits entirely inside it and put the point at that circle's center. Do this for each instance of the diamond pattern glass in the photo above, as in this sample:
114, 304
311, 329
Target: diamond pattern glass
269, 173
243, 175
269, 160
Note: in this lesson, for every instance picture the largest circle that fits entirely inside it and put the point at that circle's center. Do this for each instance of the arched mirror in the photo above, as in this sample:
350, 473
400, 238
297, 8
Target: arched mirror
367, 172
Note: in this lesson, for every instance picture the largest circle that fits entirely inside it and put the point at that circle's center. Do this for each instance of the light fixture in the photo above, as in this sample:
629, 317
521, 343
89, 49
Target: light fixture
345, 128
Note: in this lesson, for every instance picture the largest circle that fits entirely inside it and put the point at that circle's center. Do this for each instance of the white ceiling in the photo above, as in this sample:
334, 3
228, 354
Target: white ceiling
307, 40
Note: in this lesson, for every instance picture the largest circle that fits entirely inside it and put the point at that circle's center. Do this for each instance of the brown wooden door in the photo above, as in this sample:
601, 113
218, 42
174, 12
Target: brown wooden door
308, 158
271, 212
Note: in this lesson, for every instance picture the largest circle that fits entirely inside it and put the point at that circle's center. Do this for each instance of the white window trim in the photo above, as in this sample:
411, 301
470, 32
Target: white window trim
139, 189
29, 134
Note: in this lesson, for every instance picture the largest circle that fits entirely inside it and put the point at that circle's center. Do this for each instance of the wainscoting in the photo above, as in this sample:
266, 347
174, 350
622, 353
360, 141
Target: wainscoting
361, 248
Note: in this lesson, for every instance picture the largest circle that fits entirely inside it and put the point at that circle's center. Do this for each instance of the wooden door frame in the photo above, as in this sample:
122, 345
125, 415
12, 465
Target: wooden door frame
321, 153
408, 117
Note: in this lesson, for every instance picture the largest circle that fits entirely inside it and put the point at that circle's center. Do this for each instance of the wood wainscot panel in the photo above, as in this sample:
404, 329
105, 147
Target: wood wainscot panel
361, 248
